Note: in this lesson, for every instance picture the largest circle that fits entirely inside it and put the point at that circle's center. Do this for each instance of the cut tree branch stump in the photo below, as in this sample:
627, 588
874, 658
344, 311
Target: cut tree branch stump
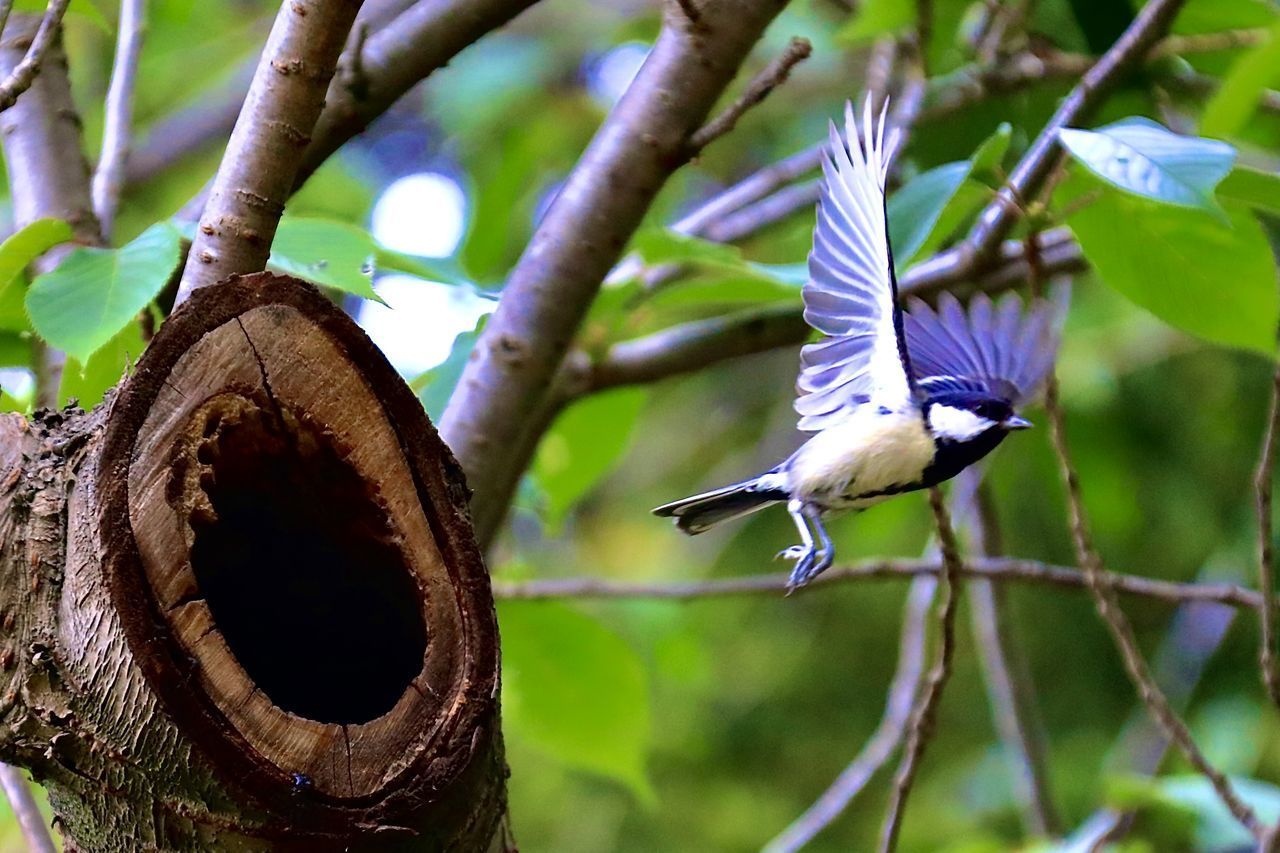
243, 608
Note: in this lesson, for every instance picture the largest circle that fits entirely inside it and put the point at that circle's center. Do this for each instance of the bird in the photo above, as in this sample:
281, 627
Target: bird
896, 400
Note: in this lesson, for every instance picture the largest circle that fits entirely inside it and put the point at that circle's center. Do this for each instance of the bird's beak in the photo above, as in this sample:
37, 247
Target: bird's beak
1014, 422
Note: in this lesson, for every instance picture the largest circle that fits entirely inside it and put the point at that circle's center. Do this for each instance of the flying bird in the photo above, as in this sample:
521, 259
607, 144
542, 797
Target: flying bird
896, 401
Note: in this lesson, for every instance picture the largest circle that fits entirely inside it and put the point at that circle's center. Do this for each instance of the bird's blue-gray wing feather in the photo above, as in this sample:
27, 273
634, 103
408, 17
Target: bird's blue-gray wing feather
851, 295
998, 348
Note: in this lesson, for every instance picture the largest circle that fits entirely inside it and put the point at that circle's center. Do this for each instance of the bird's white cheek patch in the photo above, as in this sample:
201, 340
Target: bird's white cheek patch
957, 424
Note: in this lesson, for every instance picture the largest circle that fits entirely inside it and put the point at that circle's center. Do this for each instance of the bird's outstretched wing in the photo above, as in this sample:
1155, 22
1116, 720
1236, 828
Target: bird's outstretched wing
997, 348
851, 295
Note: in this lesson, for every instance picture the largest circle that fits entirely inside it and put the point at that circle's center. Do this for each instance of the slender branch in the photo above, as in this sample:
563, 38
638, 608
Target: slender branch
1096, 577
48, 175
770, 77
275, 126
1001, 569
694, 346
18, 78
642, 142
1209, 42
699, 344
212, 115
998, 219
1262, 485
109, 177
924, 715
884, 741
18, 791
395, 58
995, 640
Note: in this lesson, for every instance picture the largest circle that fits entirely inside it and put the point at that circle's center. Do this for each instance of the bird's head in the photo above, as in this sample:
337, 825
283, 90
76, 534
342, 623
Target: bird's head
964, 416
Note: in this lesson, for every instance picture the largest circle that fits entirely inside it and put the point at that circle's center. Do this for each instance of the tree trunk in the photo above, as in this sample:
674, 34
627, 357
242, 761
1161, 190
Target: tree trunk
242, 605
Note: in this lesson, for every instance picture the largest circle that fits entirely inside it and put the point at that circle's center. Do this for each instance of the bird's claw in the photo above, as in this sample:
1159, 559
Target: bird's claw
794, 552
811, 562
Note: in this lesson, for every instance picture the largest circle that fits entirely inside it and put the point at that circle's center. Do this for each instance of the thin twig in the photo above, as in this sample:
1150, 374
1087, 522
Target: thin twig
108, 179
1108, 607
1262, 485
48, 176
770, 77
6, 6
579, 239
18, 791
888, 735
999, 217
1002, 569
275, 126
924, 715
20, 76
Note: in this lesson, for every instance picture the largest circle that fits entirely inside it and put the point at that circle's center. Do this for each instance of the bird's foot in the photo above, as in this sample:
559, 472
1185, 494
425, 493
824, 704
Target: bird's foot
811, 562
795, 552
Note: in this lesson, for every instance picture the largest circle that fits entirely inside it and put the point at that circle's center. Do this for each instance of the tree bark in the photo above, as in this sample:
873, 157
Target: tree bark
242, 605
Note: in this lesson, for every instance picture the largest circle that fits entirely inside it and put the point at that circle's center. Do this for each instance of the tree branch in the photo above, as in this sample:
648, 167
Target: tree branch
924, 715
770, 77
275, 126
998, 219
48, 174
642, 142
395, 58
1000, 569
1096, 577
1262, 485
19, 75
109, 176
884, 741
692, 346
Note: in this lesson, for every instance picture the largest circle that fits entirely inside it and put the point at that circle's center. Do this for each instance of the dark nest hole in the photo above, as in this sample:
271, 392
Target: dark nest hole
300, 569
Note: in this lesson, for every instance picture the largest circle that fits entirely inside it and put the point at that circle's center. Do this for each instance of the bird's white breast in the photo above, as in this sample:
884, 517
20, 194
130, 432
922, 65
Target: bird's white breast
868, 453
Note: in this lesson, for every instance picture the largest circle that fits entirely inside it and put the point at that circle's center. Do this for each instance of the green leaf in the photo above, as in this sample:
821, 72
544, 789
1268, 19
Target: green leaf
931, 206
990, 154
326, 252
877, 17
94, 293
87, 382
435, 386
1216, 829
16, 254
665, 246
1211, 16
1210, 278
1260, 190
583, 445
15, 349
915, 209
1141, 157
443, 270
576, 690
1236, 100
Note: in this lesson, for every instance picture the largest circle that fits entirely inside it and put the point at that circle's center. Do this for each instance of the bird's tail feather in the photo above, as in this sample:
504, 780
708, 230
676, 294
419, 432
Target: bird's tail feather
699, 513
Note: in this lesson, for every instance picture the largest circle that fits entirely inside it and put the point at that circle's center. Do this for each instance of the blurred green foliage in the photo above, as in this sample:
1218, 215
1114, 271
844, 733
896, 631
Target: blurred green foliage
645, 725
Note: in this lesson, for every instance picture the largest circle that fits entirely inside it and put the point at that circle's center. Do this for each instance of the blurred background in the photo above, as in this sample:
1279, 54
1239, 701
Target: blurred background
711, 724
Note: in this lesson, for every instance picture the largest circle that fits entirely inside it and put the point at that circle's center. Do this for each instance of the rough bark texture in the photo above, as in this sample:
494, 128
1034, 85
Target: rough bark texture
48, 173
645, 139
242, 607
275, 126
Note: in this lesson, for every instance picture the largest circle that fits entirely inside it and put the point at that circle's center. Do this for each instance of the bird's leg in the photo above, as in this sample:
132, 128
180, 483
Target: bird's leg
812, 557
825, 552
798, 552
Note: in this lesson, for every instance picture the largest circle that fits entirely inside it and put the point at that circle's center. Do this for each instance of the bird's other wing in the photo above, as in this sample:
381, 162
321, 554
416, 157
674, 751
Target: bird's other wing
998, 348
851, 295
